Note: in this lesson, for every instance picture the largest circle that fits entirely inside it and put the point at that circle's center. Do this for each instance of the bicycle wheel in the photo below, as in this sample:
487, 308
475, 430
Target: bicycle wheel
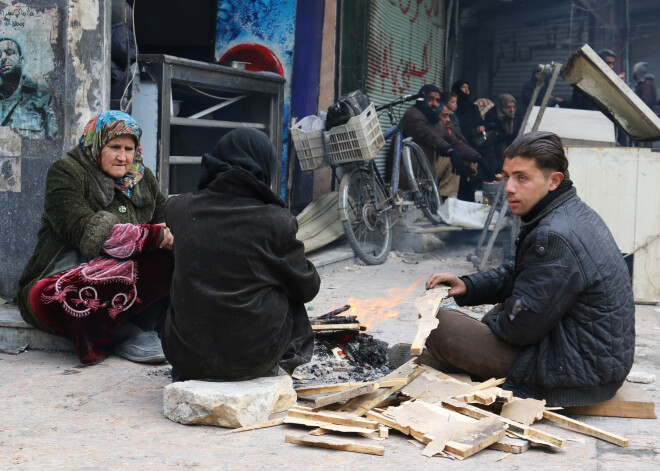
367, 224
428, 197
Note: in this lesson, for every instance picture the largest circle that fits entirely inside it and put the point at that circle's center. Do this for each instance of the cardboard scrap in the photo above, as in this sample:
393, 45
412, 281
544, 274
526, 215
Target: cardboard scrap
427, 306
525, 411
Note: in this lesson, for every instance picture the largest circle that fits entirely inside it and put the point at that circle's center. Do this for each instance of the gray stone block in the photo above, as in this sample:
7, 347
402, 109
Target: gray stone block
228, 404
16, 334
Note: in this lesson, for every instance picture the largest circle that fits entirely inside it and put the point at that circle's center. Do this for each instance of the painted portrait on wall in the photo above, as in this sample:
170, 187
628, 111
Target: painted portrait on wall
26, 60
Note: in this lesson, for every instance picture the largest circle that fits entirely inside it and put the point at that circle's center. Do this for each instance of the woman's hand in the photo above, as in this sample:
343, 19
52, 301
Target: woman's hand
168, 238
457, 285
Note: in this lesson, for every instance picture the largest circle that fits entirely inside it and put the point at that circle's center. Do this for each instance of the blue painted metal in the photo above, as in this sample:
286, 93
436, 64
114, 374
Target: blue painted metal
305, 82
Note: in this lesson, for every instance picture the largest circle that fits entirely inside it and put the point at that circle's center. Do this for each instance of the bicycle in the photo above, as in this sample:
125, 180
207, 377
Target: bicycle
366, 200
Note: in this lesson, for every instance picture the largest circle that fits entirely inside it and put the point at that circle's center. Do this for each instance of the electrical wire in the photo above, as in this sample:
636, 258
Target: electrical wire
209, 95
128, 85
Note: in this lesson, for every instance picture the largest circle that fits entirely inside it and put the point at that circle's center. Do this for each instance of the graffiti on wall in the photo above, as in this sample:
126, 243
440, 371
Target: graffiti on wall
261, 33
405, 64
26, 60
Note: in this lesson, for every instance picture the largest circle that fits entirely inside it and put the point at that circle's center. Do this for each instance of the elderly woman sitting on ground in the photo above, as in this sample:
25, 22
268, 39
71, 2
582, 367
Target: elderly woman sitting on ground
99, 275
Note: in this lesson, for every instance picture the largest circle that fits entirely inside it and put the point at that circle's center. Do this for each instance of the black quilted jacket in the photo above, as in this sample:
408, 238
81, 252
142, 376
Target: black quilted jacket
568, 302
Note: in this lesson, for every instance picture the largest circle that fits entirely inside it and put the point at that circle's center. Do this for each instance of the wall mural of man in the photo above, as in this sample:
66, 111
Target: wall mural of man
25, 105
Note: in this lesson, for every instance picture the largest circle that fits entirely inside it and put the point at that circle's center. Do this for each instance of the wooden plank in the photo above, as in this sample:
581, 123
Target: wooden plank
492, 382
524, 430
511, 445
362, 405
382, 419
268, 423
335, 418
331, 388
465, 439
428, 387
525, 411
629, 401
586, 429
326, 425
335, 444
366, 388
345, 395
427, 306
322, 327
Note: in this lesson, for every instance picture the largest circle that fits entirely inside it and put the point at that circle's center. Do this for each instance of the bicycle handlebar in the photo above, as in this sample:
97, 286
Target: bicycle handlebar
399, 101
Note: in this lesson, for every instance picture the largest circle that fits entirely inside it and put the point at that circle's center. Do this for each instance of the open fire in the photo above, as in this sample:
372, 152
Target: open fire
372, 311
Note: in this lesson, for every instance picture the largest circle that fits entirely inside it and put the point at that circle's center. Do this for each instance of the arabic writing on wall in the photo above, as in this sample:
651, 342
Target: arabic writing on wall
403, 62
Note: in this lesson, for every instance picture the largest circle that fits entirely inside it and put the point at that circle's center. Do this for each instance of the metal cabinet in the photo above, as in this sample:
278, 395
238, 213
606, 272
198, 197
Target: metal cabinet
197, 103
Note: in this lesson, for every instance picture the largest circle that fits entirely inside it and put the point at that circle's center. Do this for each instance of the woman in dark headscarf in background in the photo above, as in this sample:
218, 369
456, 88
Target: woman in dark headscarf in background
467, 112
241, 277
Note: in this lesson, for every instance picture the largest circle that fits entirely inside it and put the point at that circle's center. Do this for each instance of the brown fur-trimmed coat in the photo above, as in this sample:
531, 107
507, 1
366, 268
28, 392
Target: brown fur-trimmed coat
81, 206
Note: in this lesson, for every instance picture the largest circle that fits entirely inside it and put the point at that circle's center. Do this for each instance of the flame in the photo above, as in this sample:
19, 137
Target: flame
373, 311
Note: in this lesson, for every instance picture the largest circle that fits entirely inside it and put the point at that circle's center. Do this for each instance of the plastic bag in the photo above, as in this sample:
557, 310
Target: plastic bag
466, 214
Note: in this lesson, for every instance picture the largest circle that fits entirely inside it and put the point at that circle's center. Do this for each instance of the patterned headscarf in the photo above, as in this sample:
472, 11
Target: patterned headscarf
109, 125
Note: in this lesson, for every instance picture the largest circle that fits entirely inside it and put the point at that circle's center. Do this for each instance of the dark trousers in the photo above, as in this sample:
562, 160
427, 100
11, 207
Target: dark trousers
465, 343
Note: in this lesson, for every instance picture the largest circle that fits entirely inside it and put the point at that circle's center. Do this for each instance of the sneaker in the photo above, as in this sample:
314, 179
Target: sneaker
143, 348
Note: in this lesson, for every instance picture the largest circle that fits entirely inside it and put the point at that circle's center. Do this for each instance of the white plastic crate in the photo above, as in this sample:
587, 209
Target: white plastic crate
309, 148
359, 139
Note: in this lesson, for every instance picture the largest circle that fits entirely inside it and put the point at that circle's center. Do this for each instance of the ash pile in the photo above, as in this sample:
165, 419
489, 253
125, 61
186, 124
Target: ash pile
343, 352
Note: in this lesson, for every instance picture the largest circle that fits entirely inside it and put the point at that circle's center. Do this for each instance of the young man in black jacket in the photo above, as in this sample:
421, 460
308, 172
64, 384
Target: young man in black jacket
564, 326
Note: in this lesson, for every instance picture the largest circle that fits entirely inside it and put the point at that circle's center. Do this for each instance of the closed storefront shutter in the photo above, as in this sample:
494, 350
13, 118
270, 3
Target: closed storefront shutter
535, 37
406, 48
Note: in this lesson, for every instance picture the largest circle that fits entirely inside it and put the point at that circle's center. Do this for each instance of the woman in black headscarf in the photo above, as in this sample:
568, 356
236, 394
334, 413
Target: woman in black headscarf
467, 112
241, 276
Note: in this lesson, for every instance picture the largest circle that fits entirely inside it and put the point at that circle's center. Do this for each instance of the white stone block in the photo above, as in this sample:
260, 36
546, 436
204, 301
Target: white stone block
641, 377
228, 404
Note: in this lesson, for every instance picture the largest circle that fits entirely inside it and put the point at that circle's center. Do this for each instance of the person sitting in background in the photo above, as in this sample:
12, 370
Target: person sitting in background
241, 277
645, 84
450, 99
503, 123
564, 326
468, 113
427, 123
101, 269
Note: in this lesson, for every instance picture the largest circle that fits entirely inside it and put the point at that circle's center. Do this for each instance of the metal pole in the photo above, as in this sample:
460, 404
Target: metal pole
546, 97
627, 41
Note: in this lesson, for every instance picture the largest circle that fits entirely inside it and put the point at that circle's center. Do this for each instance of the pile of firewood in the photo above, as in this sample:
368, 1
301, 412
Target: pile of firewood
450, 416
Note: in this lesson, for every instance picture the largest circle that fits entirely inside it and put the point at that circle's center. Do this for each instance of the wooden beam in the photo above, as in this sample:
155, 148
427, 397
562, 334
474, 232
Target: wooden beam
335, 444
586, 429
268, 423
629, 401
427, 307
345, 395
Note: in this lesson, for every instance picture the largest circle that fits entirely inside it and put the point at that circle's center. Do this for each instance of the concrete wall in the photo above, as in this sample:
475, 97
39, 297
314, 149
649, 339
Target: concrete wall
65, 50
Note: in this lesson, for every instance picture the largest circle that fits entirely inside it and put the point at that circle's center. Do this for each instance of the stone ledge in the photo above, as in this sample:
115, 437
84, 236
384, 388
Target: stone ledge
16, 334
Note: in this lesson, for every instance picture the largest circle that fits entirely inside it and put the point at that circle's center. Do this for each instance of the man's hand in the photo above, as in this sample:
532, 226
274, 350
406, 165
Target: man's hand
472, 168
168, 238
457, 285
481, 129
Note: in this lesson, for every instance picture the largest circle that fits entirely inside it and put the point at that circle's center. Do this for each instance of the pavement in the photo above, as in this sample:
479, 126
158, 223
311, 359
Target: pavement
58, 414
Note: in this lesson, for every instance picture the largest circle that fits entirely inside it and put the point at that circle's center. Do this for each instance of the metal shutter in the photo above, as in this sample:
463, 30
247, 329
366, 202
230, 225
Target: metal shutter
406, 50
535, 37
